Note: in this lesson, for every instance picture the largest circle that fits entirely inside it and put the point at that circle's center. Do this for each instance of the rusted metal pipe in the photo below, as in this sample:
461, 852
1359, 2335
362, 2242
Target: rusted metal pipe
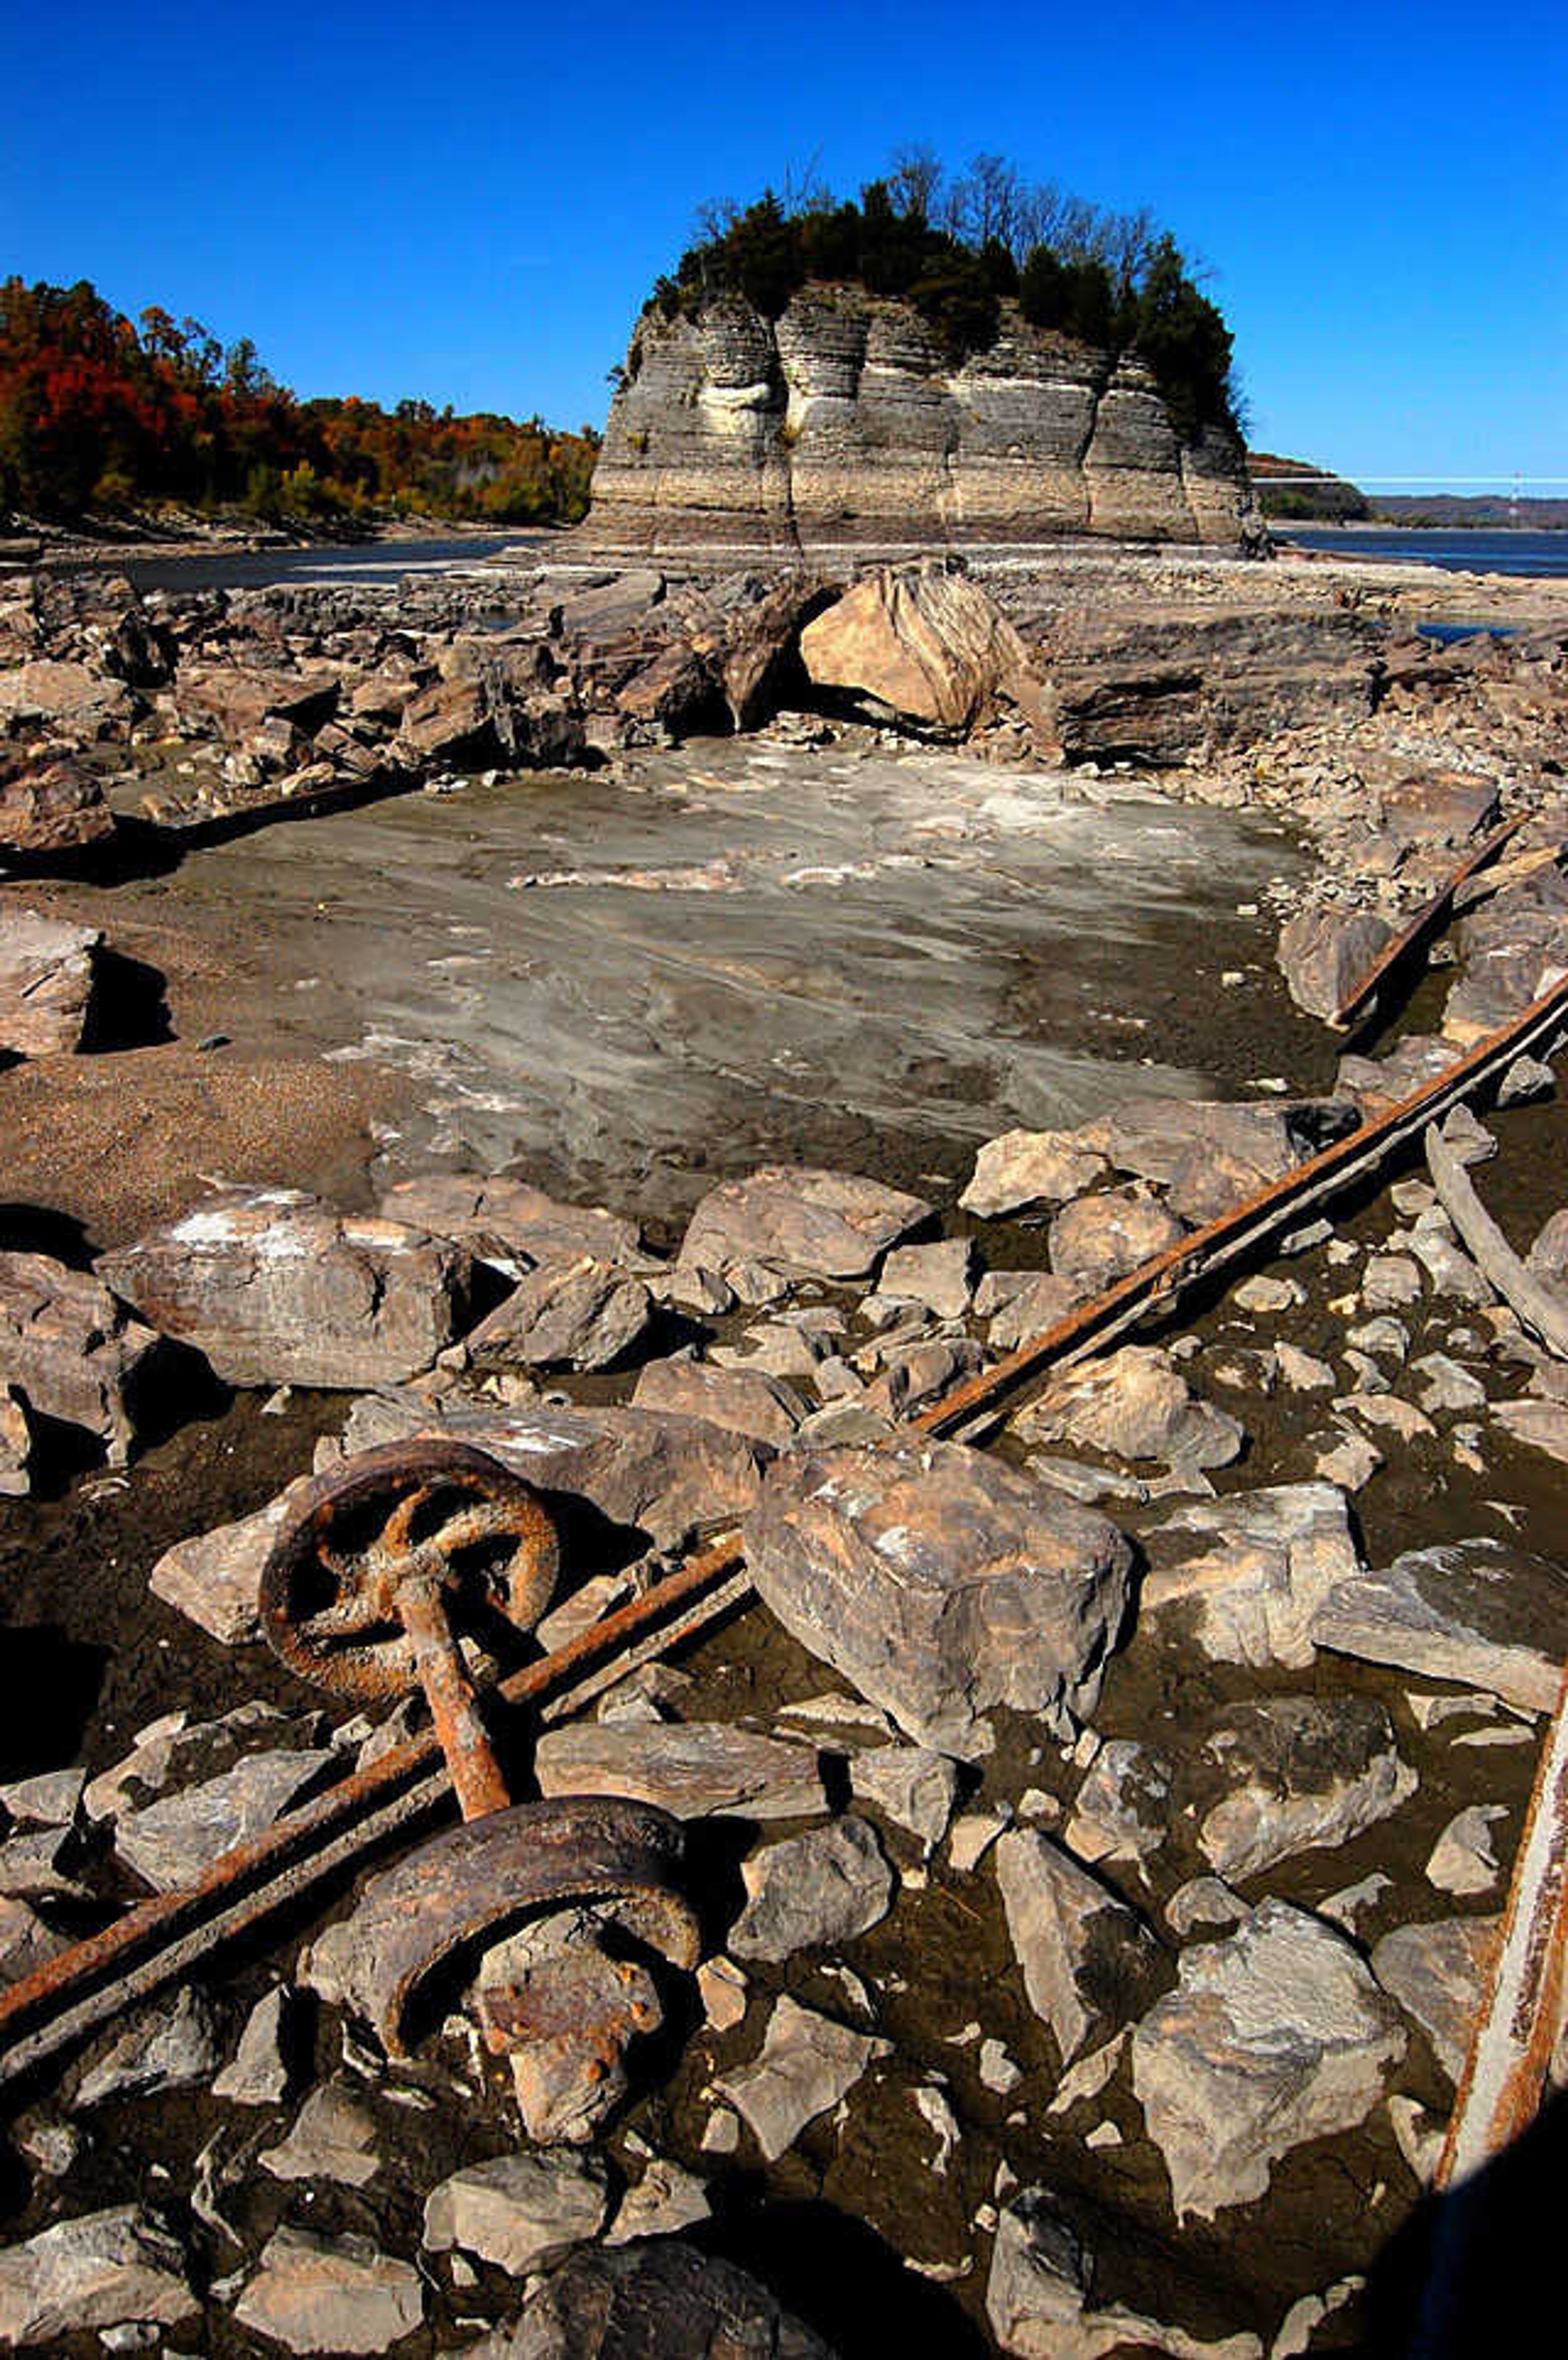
1425, 922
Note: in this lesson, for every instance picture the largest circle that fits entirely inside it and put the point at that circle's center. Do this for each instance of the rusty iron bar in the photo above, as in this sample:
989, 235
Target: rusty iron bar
466, 1749
192, 1920
1516, 2029
1426, 920
1203, 1251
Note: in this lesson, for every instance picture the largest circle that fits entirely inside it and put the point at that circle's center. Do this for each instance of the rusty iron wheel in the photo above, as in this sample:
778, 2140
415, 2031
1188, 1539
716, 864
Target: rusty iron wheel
410, 1512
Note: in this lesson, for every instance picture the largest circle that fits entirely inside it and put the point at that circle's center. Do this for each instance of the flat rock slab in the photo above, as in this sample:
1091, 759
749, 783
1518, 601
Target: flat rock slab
87, 702
73, 1351
1254, 1569
1481, 1613
1438, 1973
1089, 1962
940, 1582
276, 1287
48, 976
1132, 1404
909, 1784
170, 2046
1302, 1771
1097, 1239
698, 1770
808, 1223
520, 2212
657, 2296
1275, 2035
331, 2294
807, 2064
1539, 1424
170, 1843
650, 1470
99, 2270
510, 1220
746, 1401
810, 1891
333, 2137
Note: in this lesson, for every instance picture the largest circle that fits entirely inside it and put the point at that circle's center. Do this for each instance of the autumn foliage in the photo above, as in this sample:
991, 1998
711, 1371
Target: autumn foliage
97, 412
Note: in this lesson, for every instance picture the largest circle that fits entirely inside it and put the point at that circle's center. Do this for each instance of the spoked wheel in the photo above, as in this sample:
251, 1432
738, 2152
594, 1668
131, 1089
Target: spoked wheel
411, 1516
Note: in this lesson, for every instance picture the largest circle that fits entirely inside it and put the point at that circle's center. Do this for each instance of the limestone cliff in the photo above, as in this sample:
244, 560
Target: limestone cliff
843, 421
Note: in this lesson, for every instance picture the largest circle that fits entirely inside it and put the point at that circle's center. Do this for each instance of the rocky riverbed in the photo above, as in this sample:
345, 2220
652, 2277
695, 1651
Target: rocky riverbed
1097, 1821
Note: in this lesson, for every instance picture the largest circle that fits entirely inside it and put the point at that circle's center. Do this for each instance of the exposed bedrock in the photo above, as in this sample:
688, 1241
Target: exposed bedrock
843, 418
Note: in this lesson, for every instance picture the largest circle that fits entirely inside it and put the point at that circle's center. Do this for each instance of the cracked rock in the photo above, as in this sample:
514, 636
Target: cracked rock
331, 2294
823, 1887
940, 1583
807, 2064
1275, 2036
1089, 1962
520, 2212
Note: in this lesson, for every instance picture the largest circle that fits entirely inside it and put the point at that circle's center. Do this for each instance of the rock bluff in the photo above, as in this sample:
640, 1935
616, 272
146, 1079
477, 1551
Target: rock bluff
842, 419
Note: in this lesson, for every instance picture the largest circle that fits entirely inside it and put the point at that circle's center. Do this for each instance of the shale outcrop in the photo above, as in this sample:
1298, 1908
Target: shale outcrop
845, 420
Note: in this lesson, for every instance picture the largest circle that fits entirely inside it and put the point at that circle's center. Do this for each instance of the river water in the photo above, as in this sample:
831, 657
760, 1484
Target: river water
1453, 550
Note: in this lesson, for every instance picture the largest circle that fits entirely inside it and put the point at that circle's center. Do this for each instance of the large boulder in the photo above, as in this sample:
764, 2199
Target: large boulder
1275, 2035
47, 973
811, 1224
71, 1349
928, 645
276, 1287
940, 1583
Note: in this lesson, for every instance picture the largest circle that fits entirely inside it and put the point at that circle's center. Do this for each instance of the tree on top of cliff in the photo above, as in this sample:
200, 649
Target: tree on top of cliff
957, 247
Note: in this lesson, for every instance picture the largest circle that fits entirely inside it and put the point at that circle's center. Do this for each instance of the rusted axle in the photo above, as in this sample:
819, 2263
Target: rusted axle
157, 1939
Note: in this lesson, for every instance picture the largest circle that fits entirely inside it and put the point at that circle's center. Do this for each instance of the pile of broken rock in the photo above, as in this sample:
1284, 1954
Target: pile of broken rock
1231, 1932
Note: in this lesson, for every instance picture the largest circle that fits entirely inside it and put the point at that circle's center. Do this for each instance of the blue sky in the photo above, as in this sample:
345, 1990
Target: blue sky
468, 203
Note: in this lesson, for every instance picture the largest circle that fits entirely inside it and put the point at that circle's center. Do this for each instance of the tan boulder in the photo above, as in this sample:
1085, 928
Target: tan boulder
928, 646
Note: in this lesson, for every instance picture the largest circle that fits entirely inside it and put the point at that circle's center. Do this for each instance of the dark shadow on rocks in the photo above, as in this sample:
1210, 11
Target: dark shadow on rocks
39, 1228
128, 1009
1476, 2272
838, 2276
48, 1693
173, 1387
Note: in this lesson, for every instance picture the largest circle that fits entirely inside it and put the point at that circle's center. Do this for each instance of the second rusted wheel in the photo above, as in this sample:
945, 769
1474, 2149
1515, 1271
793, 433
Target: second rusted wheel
409, 1513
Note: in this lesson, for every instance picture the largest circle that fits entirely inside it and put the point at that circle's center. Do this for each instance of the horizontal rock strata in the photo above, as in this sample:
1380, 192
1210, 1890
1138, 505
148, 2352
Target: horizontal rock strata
845, 420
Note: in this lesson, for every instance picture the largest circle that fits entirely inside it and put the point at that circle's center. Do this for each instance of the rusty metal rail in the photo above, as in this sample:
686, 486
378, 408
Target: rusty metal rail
1426, 920
1518, 2026
157, 1939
